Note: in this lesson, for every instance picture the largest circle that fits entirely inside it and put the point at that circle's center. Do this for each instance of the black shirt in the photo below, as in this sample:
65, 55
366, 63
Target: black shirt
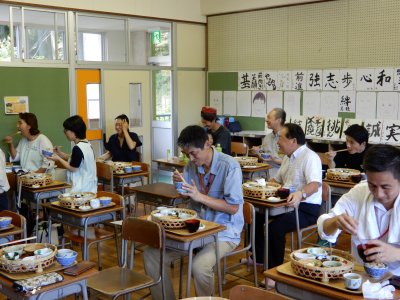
123, 153
350, 161
222, 136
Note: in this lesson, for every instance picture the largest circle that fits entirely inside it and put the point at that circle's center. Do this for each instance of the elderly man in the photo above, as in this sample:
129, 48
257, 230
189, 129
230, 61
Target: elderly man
219, 133
301, 171
371, 210
214, 186
274, 120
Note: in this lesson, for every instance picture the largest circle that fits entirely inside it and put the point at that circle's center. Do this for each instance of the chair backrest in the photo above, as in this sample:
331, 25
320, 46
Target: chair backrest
248, 213
143, 231
17, 220
239, 148
12, 192
116, 198
246, 292
326, 198
105, 174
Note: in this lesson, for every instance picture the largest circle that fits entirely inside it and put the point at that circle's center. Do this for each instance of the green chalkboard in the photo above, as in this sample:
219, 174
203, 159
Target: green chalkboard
48, 93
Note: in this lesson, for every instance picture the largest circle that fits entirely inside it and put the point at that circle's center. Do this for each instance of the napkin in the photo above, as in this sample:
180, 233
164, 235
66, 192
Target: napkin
261, 181
377, 291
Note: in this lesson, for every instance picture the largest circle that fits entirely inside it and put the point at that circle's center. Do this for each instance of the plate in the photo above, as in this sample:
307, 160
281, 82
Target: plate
7, 227
274, 199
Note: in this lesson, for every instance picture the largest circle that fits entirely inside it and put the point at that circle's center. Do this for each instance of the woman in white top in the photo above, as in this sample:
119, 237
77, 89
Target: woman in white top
81, 163
29, 149
4, 186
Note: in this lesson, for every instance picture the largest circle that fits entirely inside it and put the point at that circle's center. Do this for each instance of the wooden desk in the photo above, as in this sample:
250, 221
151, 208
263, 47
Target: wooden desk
38, 194
186, 243
70, 285
248, 172
302, 289
157, 194
168, 165
79, 219
339, 188
270, 209
126, 178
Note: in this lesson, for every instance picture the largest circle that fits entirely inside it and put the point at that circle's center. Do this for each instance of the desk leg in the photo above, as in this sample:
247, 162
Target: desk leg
189, 276
266, 212
85, 250
49, 230
218, 264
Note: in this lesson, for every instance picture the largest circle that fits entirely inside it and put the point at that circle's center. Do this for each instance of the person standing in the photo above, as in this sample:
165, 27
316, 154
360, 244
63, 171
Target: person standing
122, 145
4, 185
80, 164
275, 120
29, 149
214, 188
220, 134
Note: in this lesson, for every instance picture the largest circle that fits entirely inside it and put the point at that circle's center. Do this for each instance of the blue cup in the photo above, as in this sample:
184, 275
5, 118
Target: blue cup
179, 187
265, 155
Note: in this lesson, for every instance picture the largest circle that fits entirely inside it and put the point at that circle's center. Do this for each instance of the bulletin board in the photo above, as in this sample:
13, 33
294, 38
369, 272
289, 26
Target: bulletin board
48, 93
311, 39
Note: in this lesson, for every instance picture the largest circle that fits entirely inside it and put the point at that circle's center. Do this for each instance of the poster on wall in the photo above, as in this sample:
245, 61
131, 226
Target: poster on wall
258, 104
216, 101
230, 103
16, 104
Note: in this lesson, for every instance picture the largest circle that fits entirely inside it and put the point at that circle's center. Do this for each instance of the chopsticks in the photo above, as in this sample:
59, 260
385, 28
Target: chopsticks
180, 175
18, 132
341, 150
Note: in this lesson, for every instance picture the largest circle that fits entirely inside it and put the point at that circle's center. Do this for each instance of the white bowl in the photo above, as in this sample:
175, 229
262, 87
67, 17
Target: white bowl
85, 207
299, 255
43, 252
317, 251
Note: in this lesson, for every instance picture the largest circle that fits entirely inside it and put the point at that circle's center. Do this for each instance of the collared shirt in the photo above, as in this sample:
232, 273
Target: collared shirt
29, 153
4, 186
226, 185
353, 203
270, 146
300, 169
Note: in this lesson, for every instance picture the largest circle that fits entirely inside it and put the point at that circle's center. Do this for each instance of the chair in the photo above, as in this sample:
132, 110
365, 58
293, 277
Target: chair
105, 175
245, 292
312, 229
95, 234
17, 220
249, 221
117, 281
239, 149
13, 191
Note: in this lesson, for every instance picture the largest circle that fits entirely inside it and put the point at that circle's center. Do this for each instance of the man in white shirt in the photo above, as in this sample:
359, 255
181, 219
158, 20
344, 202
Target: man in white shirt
371, 210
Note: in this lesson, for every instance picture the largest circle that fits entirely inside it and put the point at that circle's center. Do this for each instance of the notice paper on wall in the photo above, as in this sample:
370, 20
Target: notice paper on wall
274, 100
16, 104
365, 105
258, 104
230, 103
243, 103
387, 105
292, 103
216, 101
311, 103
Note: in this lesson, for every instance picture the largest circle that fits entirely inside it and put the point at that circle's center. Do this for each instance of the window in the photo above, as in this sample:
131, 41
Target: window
101, 39
150, 42
5, 34
162, 95
93, 105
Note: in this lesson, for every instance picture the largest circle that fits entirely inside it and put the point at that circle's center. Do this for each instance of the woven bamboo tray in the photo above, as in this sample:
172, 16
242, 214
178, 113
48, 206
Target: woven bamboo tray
254, 190
173, 218
305, 267
246, 160
341, 174
23, 266
72, 200
36, 179
118, 166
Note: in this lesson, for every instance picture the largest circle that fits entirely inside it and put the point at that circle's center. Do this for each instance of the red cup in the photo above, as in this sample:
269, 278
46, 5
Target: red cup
193, 225
361, 248
283, 193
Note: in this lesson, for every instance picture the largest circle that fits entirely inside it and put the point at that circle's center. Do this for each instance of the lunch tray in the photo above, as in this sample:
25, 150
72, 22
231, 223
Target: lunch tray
57, 203
341, 174
23, 266
36, 179
119, 166
302, 268
254, 190
246, 160
169, 222
71, 201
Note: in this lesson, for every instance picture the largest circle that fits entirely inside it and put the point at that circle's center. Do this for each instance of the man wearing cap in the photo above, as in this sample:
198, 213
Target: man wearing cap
220, 134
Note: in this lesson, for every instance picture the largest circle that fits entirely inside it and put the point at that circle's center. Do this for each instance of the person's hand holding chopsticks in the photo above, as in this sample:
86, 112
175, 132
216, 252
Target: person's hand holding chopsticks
177, 177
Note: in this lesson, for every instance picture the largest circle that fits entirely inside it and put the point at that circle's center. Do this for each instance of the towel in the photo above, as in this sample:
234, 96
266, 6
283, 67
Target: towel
368, 226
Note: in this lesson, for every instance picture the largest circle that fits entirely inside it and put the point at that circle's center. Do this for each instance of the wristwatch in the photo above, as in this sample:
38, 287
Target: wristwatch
303, 194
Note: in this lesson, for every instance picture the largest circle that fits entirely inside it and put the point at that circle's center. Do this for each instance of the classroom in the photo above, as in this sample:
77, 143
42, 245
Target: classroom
146, 72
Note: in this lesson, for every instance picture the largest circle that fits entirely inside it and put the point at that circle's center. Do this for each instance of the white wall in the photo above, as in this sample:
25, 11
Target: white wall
188, 10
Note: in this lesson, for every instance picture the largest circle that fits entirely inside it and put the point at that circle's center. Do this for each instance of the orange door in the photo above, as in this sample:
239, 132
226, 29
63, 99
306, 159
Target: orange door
89, 100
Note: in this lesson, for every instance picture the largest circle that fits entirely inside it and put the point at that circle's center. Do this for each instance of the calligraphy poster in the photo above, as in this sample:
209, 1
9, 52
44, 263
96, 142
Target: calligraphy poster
270, 80
374, 128
258, 104
284, 81
299, 120
396, 79
299, 80
243, 80
366, 105
347, 79
274, 99
387, 105
230, 103
314, 127
311, 103
347, 101
391, 132
346, 124
243, 99
16, 104
332, 127
329, 104
216, 101
314, 80
291, 103
384, 79
330, 80
365, 80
